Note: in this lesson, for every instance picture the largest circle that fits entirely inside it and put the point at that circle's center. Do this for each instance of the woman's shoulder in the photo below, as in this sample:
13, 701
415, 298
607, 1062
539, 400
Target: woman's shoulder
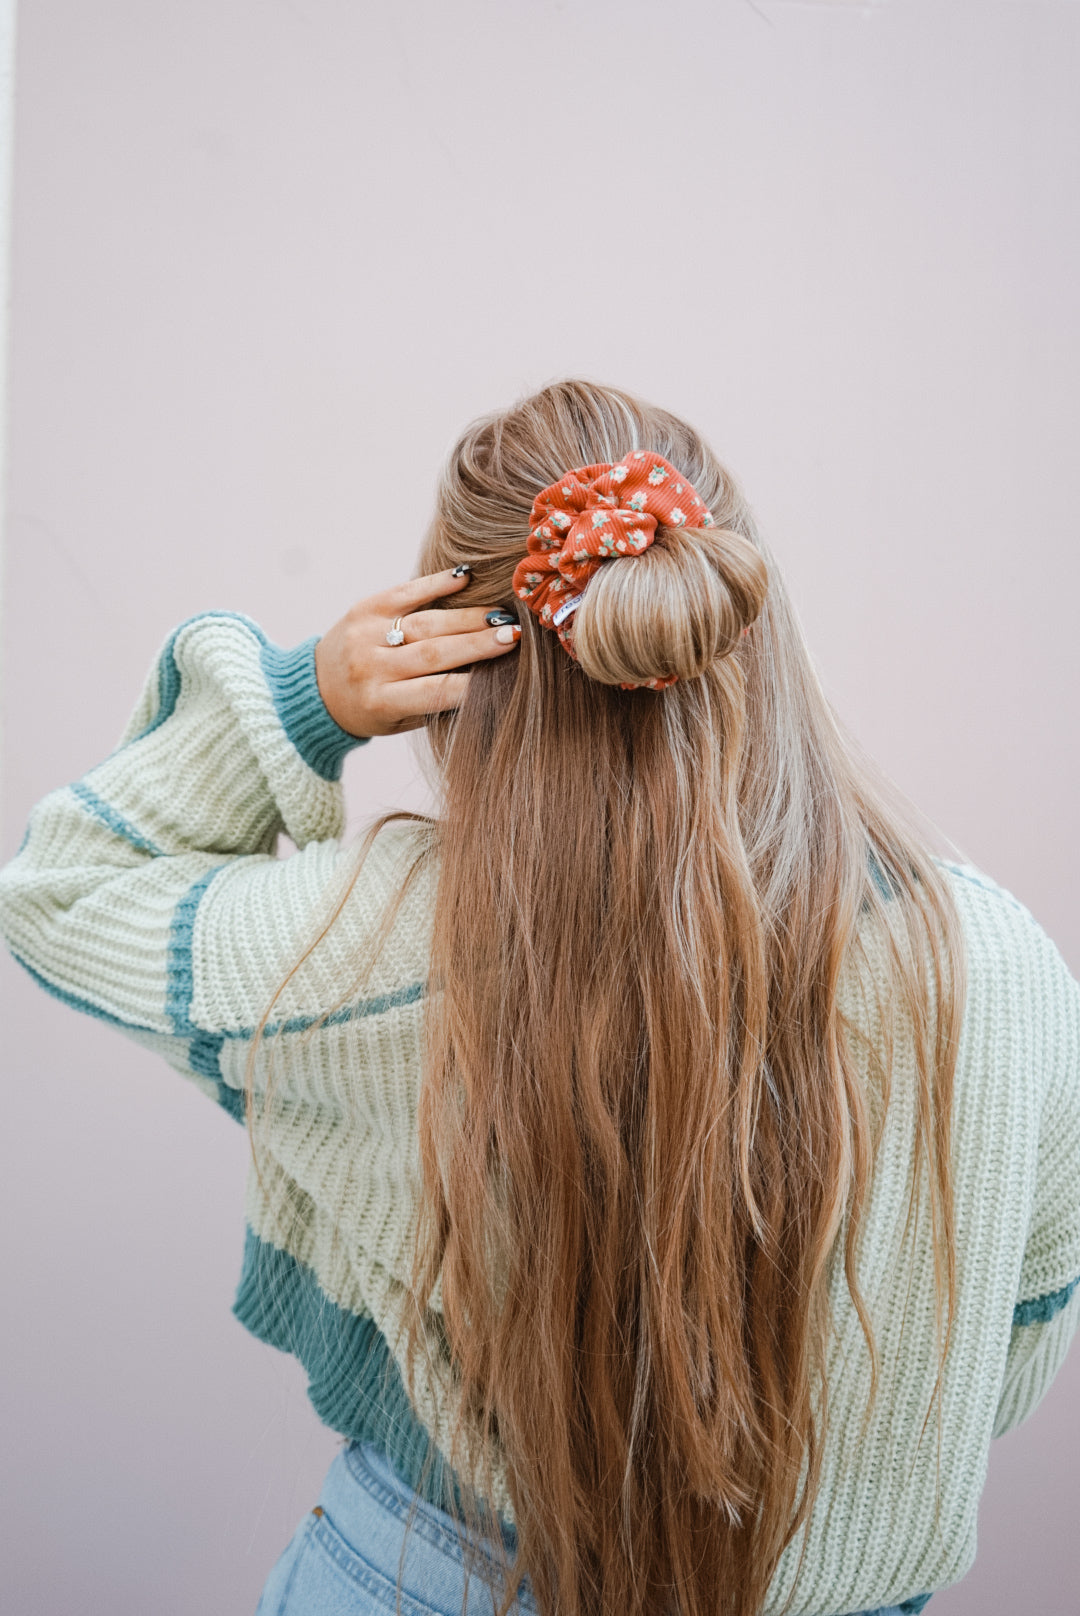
1022, 1011
1003, 935
1021, 1001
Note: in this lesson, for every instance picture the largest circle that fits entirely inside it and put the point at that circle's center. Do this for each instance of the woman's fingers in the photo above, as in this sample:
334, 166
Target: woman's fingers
417, 593
407, 704
432, 624
416, 659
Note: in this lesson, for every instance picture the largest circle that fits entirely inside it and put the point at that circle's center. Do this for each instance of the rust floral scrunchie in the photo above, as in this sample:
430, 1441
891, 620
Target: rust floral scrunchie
595, 514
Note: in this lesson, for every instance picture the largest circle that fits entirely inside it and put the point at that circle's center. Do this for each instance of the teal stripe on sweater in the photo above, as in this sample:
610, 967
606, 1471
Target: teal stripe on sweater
112, 819
180, 984
204, 1048
1041, 1309
294, 690
394, 1000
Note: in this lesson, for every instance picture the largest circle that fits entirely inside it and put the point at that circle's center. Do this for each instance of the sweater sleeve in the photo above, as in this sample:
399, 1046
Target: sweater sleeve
1047, 1311
149, 893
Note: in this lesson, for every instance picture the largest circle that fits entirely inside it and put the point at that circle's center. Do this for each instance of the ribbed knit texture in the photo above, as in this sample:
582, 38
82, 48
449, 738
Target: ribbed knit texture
150, 894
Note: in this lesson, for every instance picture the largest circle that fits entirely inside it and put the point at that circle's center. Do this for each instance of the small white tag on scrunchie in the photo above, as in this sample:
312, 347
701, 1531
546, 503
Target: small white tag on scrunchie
566, 608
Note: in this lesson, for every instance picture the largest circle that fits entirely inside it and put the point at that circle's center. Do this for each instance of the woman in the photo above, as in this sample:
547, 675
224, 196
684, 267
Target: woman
666, 1167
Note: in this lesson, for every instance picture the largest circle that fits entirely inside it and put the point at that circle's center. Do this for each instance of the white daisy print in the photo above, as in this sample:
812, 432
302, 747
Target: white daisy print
637, 502
657, 476
599, 518
619, 472
560, 519
677, 518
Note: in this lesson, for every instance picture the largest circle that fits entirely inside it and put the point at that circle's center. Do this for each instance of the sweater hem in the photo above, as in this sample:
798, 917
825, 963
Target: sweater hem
354, 1383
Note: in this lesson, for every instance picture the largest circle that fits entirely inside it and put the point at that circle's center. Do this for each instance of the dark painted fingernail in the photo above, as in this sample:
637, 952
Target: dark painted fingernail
460, 571
498, 617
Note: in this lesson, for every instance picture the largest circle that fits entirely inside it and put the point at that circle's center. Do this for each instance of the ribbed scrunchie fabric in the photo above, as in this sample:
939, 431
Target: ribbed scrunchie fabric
595, 514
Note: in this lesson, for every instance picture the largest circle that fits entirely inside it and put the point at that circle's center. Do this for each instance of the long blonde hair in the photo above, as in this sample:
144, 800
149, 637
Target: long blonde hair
643, 1126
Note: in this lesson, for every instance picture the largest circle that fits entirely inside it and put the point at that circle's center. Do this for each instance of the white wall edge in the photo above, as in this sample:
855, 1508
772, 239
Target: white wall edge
7, 141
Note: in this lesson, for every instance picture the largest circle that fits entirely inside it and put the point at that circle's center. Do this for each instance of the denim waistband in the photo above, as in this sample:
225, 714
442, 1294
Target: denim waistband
369, 1504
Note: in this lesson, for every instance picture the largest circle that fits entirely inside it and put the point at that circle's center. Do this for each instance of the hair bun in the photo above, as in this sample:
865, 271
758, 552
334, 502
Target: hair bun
673, 610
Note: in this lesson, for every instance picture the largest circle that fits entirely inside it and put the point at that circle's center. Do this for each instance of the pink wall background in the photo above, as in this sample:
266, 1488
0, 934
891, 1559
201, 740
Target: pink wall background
264, 252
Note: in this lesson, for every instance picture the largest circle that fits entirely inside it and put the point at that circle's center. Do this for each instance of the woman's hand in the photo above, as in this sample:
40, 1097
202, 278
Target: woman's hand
371, 688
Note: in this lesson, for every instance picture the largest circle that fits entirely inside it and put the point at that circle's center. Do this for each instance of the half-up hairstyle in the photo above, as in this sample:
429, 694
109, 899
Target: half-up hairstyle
644, 1129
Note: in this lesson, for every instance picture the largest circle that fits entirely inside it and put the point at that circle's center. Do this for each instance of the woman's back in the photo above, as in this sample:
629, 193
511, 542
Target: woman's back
897, 1505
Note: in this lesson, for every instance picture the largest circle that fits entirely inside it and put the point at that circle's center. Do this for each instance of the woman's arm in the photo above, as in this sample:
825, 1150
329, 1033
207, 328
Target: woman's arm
149, 893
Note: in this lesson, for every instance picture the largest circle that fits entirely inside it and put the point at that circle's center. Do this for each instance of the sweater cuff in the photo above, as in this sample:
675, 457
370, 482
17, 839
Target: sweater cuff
319, 739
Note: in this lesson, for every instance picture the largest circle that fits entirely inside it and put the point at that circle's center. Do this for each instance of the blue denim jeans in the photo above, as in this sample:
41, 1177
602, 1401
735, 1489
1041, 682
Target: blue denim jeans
343, 1559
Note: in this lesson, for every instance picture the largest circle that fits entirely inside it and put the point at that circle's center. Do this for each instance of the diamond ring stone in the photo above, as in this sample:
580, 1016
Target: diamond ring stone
395, 634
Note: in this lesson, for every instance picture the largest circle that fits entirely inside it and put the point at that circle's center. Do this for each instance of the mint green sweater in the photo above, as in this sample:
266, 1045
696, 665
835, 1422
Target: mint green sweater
149, 894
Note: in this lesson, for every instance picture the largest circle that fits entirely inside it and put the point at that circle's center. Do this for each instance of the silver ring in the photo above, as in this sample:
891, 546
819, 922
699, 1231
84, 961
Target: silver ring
395, 634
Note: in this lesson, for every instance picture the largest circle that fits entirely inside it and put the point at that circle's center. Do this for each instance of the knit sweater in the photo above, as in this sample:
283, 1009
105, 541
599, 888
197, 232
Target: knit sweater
150, 894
